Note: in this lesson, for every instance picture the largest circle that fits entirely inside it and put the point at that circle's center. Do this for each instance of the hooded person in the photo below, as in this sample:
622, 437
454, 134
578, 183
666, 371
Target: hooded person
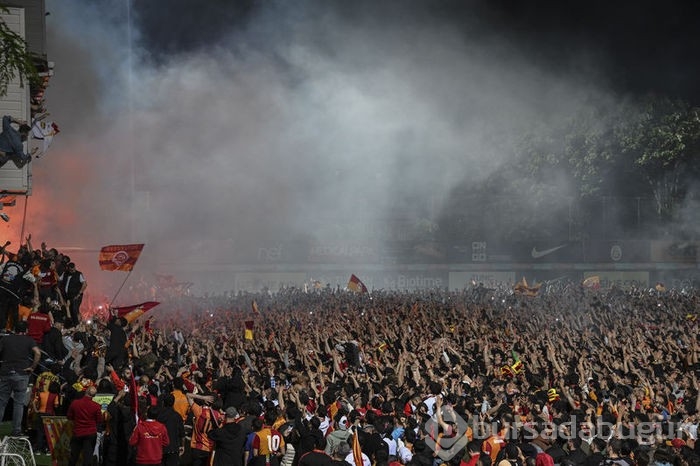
149, 437
340, 433
229, 440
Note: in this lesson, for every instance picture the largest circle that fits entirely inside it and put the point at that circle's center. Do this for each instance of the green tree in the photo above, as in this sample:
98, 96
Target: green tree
663, 139
591, 150
646, 148
15, 59
585, 171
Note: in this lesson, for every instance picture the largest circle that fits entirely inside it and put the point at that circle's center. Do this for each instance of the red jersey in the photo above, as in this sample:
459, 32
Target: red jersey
38, 324
48, 279
205, 419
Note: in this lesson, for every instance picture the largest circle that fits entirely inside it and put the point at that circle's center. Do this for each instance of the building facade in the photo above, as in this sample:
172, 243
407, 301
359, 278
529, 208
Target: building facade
24, 99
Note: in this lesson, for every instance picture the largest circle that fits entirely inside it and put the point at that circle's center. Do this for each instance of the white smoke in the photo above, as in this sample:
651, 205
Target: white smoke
281, 128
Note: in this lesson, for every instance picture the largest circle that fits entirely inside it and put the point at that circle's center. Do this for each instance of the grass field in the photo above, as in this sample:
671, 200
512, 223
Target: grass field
41, 460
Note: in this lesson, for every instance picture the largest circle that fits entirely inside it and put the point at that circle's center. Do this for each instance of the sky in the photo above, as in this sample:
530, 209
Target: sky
237, 123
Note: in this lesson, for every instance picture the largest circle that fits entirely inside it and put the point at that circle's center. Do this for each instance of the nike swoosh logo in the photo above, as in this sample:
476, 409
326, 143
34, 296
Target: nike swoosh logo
537, 254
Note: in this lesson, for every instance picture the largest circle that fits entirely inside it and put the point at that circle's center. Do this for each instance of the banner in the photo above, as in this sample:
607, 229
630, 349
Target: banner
674, 251
103, 399
259, 281
617, 251
620, 279
677, 278
563, 251
58, 430
458, 281
120, 256
343, 253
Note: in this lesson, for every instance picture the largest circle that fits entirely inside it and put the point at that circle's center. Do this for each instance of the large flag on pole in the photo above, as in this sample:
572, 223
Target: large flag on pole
131, 313
355, 284
120, 256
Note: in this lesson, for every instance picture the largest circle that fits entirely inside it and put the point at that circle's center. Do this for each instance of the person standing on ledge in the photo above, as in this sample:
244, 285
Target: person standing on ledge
12, 142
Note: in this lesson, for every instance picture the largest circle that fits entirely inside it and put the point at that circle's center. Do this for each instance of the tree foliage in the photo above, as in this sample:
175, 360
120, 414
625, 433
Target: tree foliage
15, 59
592, 172
634, 148
663, 140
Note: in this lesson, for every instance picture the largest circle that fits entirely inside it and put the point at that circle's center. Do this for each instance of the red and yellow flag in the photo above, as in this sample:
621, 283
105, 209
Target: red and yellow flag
131, 313
356, 285
356, 450
592, 282
528, 290
248, 334
507, 371
120, 256
517, 367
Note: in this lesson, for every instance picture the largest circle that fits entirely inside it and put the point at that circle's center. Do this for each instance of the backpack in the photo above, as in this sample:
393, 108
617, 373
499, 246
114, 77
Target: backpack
11, 278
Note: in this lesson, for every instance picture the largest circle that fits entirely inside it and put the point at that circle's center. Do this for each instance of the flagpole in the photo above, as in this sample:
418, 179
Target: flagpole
120, 288
24, 220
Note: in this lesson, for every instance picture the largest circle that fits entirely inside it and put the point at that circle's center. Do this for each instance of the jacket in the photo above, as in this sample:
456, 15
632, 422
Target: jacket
86, 415
149, 437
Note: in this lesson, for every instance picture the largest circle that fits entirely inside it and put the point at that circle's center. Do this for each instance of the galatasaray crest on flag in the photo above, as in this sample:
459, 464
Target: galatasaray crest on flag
120, 256
356, 285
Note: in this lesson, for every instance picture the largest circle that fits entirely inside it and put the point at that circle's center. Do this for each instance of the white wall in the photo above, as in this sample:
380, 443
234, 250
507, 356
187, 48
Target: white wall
16, 103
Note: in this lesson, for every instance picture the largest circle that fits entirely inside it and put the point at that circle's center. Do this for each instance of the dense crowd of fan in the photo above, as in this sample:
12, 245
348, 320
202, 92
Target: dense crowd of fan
575, 376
